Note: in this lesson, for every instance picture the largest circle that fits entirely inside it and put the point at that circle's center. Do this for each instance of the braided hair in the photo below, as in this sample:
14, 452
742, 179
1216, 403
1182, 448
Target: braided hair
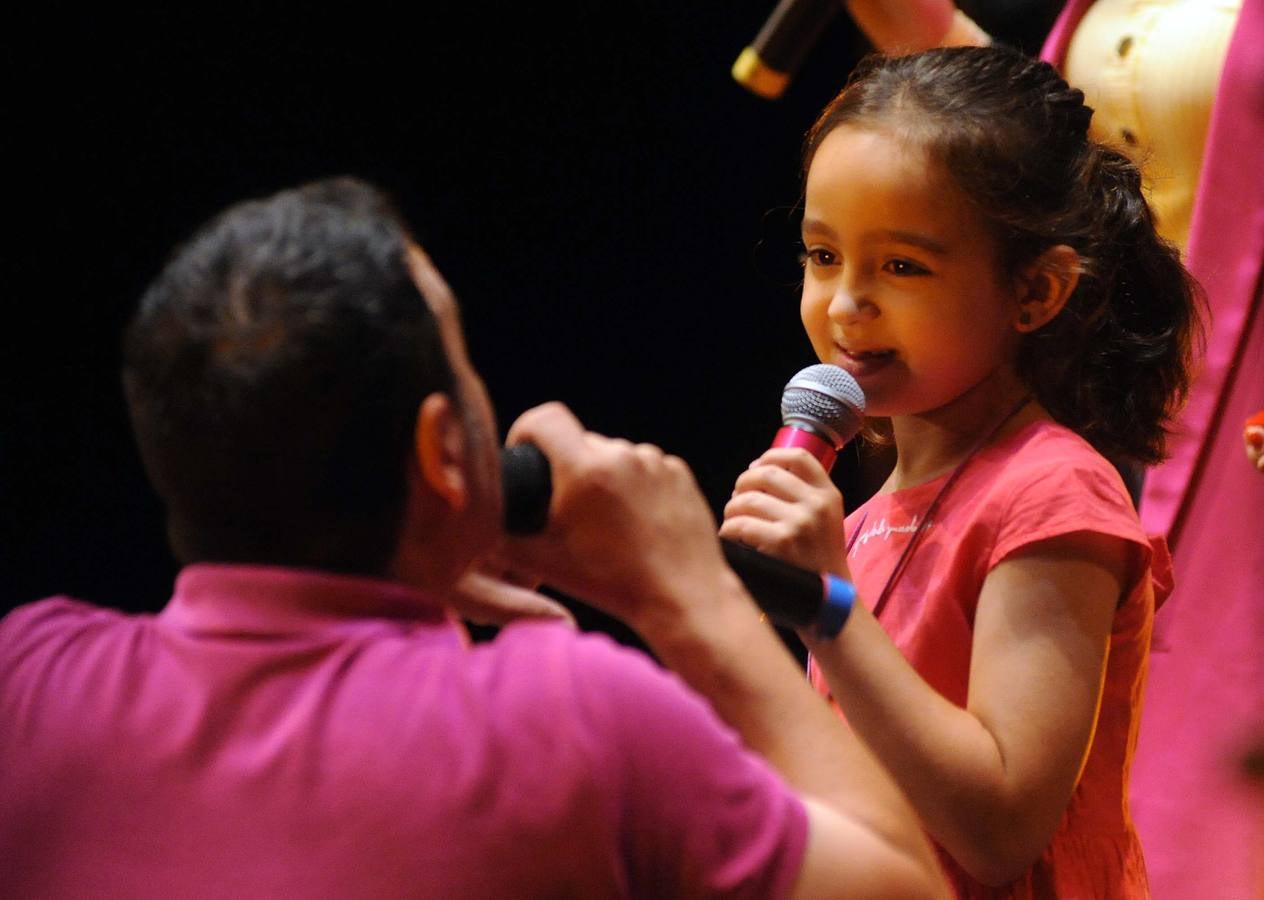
1114, 365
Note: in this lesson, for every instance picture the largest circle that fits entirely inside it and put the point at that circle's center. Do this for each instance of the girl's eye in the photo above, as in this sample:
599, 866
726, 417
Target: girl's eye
817, 256
905, 268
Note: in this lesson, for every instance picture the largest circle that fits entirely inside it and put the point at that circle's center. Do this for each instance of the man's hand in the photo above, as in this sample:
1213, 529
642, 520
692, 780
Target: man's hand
488, 595
628, 528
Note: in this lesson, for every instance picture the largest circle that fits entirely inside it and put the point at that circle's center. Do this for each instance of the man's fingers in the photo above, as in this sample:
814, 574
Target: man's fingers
488, 600
551, 427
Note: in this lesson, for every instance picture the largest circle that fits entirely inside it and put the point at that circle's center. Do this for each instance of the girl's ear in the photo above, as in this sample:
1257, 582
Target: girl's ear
439, 442
1045, 286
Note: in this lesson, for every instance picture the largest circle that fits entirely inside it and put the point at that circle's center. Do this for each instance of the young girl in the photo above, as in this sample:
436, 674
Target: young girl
993, 280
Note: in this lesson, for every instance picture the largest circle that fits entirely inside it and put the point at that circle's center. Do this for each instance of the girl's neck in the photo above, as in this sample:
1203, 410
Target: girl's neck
933, 443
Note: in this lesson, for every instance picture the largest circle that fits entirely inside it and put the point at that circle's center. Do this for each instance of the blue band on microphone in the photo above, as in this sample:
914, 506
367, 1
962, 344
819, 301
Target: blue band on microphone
839, 597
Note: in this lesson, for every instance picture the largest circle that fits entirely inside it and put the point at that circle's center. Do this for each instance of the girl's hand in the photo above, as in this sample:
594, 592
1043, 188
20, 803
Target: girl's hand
786, 506
905, 26
1253, 437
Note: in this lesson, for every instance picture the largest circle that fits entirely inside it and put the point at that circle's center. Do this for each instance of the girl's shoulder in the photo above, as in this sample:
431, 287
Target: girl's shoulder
1045, 480
1045, 456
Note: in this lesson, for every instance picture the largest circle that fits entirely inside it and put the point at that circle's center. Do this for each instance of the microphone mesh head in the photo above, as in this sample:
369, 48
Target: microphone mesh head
825, 399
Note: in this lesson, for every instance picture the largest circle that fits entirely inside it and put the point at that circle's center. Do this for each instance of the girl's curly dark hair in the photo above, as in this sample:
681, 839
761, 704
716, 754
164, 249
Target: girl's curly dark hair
1115, 364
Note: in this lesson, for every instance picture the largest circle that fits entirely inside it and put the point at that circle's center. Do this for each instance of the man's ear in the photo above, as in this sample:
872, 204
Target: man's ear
1044, 287
439, 441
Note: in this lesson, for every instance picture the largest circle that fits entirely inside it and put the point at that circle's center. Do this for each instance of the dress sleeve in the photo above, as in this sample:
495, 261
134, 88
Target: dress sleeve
1049, 498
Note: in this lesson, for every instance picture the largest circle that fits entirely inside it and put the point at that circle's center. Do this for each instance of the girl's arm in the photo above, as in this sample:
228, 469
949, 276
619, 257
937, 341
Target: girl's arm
906, 26
990, 781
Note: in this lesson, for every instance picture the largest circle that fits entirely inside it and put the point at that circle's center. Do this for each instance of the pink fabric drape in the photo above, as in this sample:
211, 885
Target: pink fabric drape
1201, 826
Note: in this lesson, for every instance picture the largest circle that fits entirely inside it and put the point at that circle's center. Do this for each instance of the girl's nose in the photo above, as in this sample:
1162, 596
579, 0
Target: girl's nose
850, 305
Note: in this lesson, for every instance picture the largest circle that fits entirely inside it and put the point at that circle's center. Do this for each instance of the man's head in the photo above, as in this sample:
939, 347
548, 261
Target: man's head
276, 373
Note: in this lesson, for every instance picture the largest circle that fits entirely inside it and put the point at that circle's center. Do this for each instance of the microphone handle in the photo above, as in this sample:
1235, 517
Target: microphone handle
791, 596
771, 60
790, 32
526, 484
806, 439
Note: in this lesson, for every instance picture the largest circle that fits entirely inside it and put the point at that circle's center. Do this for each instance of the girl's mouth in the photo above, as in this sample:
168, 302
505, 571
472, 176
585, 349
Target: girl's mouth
861, 363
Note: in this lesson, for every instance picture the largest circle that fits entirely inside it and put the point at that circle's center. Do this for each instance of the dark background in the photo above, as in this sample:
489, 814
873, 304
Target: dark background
613, 210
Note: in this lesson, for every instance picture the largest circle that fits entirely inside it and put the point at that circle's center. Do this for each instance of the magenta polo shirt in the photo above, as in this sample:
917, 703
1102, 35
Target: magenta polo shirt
286, 733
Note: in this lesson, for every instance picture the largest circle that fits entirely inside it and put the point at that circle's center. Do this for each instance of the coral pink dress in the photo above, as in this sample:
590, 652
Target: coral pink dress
1041, 482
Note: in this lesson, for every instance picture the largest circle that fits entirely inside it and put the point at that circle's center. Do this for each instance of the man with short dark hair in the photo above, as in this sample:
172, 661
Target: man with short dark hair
306, 716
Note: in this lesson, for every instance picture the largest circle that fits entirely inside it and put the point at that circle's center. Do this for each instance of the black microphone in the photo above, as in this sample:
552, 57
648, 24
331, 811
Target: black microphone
791, 596
767, 65
821, 410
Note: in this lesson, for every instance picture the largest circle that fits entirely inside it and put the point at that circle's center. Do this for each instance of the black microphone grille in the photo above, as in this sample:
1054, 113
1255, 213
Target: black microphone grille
824, 398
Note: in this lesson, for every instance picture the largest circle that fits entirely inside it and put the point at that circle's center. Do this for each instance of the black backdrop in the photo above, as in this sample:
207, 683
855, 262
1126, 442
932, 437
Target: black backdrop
612, 209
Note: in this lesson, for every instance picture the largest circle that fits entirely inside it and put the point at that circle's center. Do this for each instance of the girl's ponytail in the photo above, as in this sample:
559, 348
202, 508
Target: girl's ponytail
1133, 315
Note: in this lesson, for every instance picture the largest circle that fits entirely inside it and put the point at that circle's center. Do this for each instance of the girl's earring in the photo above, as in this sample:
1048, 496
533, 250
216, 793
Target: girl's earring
1024, 318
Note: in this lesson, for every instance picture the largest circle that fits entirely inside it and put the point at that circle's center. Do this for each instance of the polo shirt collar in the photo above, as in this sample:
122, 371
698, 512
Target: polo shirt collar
273, 600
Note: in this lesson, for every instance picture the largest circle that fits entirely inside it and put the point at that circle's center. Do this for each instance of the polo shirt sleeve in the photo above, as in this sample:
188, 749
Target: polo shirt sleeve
700, 814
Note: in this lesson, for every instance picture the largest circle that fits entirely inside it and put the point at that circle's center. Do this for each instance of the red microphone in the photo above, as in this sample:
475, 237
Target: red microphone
822, 408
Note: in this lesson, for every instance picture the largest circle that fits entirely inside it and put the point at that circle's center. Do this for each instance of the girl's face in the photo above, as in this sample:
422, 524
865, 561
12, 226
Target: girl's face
902, 286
